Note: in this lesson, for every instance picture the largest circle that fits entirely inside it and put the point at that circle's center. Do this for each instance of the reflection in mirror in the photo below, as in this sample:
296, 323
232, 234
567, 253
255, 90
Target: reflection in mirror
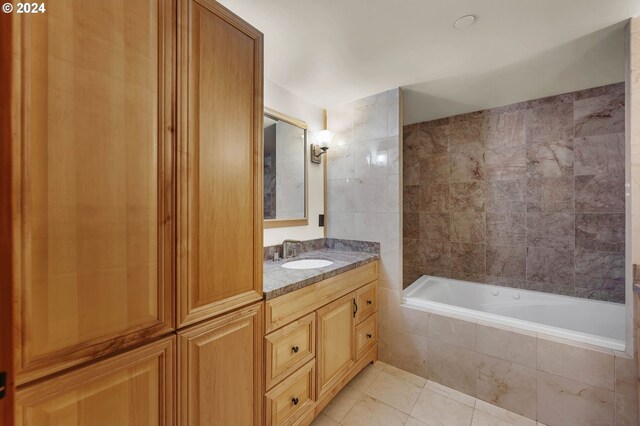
284, 169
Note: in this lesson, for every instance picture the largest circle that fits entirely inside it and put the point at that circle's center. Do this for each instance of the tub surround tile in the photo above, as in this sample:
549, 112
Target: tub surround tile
451, 366
599, 115
546, 174
587, 366
507, 385
467, 197
506, 229
453, 331
566, 402
468, 258
551, 230
626, 376
626, 410
595, 194
600, 275
403, 350
467, 228
411, 225
404, 375
600, 232
600, 155
551, 195
506, 196
550, 265
507, 261
512, 346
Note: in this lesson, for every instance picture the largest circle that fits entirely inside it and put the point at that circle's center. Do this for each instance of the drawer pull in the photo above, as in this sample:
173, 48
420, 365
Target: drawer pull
295, 349
369, 302
295, 401
369, 336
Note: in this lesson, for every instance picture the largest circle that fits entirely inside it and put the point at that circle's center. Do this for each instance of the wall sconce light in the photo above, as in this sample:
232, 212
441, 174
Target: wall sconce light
324, 139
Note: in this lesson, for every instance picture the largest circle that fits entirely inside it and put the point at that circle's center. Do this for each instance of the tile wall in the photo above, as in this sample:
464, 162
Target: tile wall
363, 177
530, 195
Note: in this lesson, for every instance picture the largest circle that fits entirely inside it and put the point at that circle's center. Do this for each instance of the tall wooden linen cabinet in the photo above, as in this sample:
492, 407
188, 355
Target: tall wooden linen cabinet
132, 191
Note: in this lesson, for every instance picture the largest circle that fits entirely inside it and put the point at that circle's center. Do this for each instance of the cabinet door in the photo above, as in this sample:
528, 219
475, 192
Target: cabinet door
220, 370
336, 341
220, 169
132, 389
92, 170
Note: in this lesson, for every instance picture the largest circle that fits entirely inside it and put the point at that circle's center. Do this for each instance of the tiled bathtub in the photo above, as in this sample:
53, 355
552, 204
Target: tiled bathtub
549, 379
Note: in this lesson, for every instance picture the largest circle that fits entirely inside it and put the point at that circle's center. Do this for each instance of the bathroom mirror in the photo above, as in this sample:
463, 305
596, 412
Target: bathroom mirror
285, 170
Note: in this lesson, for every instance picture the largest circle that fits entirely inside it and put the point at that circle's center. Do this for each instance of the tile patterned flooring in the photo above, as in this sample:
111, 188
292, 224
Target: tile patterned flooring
387, 396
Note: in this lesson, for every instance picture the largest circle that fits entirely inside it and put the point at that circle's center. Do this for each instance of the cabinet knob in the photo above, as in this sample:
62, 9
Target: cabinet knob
369, 336
295, 349
369, 302
295, 401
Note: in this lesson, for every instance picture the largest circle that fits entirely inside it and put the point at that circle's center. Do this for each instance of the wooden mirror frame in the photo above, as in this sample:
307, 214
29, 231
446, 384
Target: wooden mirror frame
285, 223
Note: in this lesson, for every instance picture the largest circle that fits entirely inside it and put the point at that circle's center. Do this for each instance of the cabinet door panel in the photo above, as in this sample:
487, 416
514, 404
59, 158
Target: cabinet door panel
220, 364
220, 260
336, 341
132, 389
93, 199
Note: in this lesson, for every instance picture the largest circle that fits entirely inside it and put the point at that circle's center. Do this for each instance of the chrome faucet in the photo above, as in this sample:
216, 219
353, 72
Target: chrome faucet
285, 251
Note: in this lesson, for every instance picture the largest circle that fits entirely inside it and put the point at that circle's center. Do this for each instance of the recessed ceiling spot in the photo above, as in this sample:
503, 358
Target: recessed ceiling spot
464, 22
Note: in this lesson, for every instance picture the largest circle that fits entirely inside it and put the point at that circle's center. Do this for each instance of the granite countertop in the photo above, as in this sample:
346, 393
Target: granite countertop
279, 281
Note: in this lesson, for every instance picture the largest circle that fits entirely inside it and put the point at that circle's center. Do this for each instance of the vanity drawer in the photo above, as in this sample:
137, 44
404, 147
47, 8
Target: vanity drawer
289, 348
366, 335
293, 398
367, 300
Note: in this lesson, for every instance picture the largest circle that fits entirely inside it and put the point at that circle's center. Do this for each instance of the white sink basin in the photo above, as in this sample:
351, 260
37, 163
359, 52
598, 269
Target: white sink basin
307, 264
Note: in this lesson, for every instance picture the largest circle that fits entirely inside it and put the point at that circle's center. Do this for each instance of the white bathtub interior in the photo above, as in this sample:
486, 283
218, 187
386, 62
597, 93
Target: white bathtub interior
583, 320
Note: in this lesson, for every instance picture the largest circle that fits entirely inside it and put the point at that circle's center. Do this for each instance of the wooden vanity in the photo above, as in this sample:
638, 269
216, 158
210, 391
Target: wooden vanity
317, 339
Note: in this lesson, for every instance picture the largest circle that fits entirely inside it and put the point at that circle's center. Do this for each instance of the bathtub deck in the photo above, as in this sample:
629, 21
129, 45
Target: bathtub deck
384, 395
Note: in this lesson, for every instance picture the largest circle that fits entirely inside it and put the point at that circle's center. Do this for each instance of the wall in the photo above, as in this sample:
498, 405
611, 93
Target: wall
285, 102
363, 177
530, 195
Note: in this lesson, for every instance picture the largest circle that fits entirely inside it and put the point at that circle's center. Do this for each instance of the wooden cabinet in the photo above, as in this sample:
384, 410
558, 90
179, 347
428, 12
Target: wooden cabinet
220, 370
92, 160
132, 389
336, 342
220, 178
341, 312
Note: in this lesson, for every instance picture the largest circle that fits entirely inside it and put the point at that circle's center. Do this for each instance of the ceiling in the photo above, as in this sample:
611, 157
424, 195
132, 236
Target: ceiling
334, 51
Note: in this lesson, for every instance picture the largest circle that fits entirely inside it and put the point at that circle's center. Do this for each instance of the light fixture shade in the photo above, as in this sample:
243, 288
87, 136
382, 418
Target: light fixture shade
324, 137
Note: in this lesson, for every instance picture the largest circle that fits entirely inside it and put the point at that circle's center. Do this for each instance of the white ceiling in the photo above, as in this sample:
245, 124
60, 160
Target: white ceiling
334, 51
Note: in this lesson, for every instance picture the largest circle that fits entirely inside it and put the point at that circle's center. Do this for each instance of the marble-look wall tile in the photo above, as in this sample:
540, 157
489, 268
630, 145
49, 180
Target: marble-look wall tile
550, 158
452, 366
600, 232
551, 194
434, 227
370, 158
371, 118
371, 195
600, 155
544, 177
411, 198
468, 258
453, 331
435, 255
507, 261
411, 225
342, 162
507, 228
507, 385
434, 198
566, 402
551, 230
506, 196
600, 275
626, 374
513, 346
599, 115
596, 194
340, 195
550, 265
467, 197
467, 228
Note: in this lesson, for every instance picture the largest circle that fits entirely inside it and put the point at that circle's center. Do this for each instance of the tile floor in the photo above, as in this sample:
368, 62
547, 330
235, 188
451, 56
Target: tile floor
387, 396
